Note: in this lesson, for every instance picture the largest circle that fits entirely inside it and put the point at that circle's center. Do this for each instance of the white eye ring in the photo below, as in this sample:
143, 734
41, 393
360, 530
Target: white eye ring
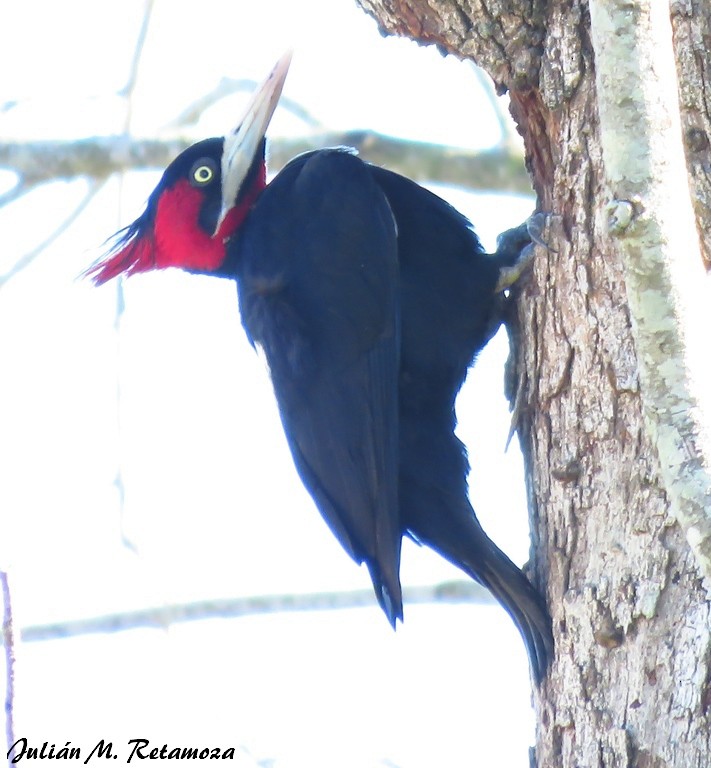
203, 174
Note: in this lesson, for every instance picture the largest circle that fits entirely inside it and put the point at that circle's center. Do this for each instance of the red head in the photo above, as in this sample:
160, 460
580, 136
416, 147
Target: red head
202, 199
179, 227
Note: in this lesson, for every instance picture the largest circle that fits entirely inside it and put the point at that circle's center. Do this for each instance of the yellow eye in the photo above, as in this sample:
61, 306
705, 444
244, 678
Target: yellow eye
203, 174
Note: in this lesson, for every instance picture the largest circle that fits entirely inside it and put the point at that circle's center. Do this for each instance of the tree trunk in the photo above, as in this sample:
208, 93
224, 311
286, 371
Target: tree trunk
611, 433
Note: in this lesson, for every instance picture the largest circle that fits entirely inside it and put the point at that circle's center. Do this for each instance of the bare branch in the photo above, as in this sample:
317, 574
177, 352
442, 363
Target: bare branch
9, 643
127, 90
119, 483
229, 86
19, 190
499, 169
509, 136
8, 106
30, 256
162, 617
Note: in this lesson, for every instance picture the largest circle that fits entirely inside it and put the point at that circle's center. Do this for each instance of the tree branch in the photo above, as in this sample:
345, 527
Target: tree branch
162, 617
20, 189
9, 644
128, 93
499, 169
31, 255
127, 90
509, 136
229, 86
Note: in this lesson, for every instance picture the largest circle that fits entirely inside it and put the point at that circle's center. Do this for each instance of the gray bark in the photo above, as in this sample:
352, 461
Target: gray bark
606, 390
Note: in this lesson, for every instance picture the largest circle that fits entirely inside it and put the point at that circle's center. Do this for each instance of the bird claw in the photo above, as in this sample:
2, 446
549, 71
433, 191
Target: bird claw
510, 275
516, 249
536, 224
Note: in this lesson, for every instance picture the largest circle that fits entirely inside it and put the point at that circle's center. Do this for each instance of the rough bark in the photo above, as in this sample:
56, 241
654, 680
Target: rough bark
651, 222
631, 683
691, 23
503, 36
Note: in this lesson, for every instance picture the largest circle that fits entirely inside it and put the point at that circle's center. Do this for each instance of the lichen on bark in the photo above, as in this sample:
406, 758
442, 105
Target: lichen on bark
630, 685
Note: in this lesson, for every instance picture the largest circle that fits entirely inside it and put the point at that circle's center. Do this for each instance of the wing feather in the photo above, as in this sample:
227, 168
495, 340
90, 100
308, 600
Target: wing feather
318, 284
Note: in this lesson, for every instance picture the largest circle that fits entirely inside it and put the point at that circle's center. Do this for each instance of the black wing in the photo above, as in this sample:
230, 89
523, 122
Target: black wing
318, 284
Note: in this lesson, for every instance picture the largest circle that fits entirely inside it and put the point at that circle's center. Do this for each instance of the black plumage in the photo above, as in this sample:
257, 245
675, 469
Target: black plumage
370, 297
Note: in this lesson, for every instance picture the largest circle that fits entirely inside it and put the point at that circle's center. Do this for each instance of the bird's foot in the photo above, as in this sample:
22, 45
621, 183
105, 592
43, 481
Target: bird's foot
515, 249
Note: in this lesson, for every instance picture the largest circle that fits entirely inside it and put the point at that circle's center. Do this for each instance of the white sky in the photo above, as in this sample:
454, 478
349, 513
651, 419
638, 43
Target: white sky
213, 505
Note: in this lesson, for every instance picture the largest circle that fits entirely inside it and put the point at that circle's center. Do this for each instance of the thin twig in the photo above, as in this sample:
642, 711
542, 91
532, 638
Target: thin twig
128, 93
7, 106
20, 189
127, 90
509, 136
229, 86
164, 616
119, 483
9, 643
93, 190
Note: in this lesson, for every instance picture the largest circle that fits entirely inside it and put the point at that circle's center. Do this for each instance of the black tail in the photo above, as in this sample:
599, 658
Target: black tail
388, 592
493, 569
459, 538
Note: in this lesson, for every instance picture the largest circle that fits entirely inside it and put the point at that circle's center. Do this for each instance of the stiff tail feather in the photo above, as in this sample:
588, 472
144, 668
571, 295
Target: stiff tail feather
524, 605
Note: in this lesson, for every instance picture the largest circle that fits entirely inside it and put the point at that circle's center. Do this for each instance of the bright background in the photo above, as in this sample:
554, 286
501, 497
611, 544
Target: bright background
213, 507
